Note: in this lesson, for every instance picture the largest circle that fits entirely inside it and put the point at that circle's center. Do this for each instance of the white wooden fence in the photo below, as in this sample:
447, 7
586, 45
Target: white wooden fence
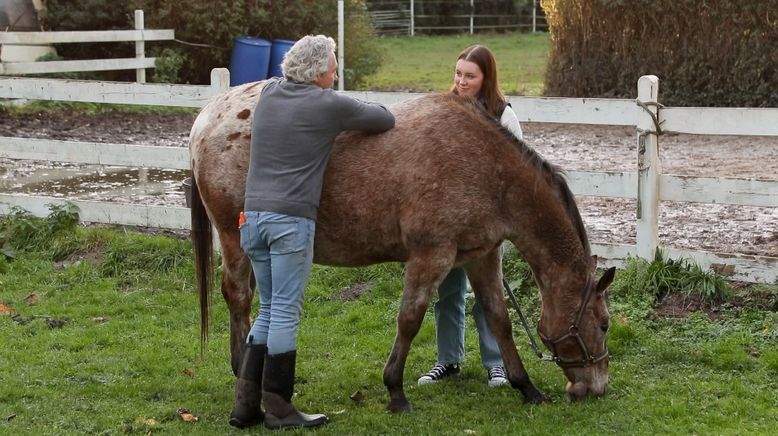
139, 63
646, 184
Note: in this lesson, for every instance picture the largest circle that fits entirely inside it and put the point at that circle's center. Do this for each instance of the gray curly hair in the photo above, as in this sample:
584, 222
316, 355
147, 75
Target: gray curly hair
308, 58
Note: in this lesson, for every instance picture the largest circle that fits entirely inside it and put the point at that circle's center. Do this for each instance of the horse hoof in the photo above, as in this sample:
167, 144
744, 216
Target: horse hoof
535, 398
399, 407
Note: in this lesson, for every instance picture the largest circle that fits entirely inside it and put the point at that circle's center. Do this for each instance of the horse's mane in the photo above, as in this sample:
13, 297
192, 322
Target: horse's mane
554, 175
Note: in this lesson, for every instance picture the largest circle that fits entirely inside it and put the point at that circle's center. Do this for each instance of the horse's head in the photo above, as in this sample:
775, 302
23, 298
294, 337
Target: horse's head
576, 335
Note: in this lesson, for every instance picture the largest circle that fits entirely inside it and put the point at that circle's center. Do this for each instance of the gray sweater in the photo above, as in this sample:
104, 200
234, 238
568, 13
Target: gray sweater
292, 134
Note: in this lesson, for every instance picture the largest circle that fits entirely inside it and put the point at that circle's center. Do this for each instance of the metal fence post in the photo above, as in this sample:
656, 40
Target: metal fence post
472, 10
341, 36
140, 47
413, 30
649, 167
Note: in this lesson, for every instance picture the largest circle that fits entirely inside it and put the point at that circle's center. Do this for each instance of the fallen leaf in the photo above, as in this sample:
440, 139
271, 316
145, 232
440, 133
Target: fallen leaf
186, 416
55, 323
10, 417
20, 319
357, 397
99, 319
339, 412
31, 299
468, 431
149, 422
188, 372
7, 310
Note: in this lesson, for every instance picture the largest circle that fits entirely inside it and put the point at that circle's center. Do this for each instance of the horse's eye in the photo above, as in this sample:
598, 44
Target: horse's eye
604, 328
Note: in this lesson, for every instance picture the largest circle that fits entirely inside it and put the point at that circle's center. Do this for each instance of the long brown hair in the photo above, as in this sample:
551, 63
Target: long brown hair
490, 89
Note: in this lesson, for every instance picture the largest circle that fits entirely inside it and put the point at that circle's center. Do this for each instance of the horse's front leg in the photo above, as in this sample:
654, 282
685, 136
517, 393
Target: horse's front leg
423, 273
238, 292
485, 276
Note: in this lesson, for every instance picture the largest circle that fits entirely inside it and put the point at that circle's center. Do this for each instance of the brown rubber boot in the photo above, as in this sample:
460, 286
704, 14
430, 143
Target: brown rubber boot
277, 390
248, 388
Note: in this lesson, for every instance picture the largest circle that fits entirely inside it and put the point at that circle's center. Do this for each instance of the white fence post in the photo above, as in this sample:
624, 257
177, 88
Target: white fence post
220, 80
649, 167
140, 47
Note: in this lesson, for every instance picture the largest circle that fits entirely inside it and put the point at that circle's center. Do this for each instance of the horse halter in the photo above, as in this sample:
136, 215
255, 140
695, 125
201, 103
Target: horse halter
572, 332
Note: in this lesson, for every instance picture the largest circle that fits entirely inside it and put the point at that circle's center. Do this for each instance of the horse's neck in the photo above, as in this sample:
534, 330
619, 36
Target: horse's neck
547, 236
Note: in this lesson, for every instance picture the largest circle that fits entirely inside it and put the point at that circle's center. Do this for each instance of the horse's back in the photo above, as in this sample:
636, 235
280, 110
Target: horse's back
431, 179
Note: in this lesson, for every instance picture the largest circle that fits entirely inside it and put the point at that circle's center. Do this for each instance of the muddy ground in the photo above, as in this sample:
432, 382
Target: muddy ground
713, 227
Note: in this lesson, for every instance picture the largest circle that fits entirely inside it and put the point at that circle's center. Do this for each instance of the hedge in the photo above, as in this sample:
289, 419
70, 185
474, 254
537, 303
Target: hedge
705, 53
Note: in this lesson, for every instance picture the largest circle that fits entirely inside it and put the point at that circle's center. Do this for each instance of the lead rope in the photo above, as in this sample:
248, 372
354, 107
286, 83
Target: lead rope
532, 342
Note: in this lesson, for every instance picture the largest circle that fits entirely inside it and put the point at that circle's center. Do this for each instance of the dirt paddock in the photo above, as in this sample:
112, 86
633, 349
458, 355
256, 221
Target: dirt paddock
712, 227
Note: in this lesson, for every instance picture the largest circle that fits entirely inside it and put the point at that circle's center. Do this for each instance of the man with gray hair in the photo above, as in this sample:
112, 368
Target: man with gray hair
294, 128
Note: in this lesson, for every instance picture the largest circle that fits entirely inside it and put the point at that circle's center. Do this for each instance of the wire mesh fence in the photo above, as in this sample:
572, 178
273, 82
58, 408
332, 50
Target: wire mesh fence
410, 17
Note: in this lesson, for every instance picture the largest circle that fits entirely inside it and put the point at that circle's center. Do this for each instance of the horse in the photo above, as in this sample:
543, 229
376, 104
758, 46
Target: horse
443, 189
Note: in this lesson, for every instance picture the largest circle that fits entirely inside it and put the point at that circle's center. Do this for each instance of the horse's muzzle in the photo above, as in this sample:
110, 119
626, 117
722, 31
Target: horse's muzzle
579, 391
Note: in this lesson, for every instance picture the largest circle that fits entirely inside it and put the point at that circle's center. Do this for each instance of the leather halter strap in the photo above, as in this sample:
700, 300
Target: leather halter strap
573, 332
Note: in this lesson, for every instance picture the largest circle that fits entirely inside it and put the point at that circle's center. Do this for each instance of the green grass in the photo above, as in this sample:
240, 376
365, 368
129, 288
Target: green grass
127, 356
426, 63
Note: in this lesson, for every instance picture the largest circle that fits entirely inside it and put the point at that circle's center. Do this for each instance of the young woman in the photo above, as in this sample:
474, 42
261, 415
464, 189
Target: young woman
475, 76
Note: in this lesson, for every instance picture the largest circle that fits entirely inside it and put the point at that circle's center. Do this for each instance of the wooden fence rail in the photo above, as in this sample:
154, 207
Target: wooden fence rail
646, 183
139, 63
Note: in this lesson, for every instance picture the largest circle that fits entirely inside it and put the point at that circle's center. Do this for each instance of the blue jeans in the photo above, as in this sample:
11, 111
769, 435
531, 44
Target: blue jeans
281, 251
450, 321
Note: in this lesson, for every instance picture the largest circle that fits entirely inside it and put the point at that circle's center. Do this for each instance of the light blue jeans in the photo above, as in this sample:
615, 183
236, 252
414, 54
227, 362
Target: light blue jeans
281, 251
450, 321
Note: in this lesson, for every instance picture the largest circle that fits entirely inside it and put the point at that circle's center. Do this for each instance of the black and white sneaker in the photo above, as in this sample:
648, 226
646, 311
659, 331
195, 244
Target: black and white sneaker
497, 377
438, 372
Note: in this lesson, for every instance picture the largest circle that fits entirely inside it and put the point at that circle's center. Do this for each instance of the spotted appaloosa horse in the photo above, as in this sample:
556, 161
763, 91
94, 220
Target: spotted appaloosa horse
442, 189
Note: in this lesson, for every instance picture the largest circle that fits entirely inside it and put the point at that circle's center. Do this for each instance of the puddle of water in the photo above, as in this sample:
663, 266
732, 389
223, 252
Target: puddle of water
93, 182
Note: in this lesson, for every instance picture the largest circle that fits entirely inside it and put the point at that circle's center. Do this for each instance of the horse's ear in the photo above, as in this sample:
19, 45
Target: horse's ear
606, 279
594, 262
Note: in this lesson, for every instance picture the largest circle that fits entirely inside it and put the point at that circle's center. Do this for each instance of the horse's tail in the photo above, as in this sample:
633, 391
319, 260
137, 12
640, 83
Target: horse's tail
202, 243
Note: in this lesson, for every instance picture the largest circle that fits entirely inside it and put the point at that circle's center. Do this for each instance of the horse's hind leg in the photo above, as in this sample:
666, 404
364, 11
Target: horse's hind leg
238, 291
485, 275
420, 281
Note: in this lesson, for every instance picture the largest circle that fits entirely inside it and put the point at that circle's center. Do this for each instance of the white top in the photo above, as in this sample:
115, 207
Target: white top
511, 122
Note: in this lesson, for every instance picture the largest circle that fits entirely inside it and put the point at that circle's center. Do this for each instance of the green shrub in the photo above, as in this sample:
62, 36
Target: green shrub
168, 65
205, 33
20, 230
666, 275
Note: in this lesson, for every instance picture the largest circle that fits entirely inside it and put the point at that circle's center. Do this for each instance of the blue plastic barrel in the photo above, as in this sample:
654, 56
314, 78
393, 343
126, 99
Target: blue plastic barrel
249, 61
277, 52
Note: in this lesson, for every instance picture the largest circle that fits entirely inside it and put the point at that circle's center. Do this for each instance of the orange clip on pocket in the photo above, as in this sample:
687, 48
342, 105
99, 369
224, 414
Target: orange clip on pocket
241, 219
